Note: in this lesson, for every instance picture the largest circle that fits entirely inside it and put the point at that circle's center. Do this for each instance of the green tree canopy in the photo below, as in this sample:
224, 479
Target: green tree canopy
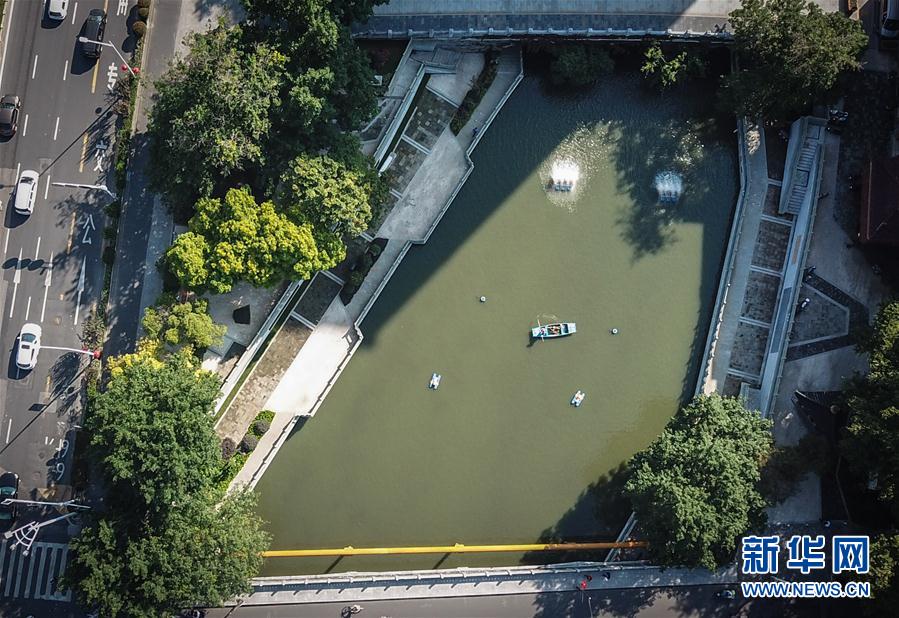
213, 112
237, 239
694, 489
326, 194
203, 552
152, 433
580, 64
182, 324
791, 53
883, 575
873, 403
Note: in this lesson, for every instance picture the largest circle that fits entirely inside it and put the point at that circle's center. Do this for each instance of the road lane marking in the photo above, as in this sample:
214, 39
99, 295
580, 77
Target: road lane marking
122, 8
18, 169
27, 308
47, 186
65, 71
56, 130
16, 278
94, 78
80, 289
83, 153
8, 429
47, 280
25, 128
88, 225
37, 250
6, 38
34, 68
71, 234
6, 242
74, 11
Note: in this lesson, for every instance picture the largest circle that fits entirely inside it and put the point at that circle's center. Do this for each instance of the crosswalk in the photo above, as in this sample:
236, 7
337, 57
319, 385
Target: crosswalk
33, 576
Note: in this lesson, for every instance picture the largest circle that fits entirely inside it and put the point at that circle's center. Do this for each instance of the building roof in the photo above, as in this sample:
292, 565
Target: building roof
879, 213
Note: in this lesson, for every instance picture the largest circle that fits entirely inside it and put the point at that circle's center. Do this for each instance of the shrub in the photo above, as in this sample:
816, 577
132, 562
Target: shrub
265, 415
143, 12
248, 443
114, 209
143, 4
375, 250
109, 232
356, 278
109, 254
260, 427
228, 449
139, 29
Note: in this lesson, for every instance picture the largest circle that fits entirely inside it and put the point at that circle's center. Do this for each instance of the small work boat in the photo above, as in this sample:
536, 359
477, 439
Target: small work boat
578, 399
435, 381
550, 331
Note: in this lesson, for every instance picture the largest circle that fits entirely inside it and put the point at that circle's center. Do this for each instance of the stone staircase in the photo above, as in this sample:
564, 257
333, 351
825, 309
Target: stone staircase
802, 160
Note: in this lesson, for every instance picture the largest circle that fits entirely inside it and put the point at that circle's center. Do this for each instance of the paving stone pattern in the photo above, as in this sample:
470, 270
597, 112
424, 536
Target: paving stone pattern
772, 203
822, 317
408, 160
771, 245
317, 297
263, 380
749, 348
761, 296
858, 318
432, 117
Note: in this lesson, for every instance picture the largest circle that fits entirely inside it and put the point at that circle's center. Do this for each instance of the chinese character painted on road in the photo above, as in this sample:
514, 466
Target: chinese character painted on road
850, 553
760, 554
806, 553
122, 8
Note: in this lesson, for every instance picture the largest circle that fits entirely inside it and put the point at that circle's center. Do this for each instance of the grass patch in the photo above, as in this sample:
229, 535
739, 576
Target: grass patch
475, 94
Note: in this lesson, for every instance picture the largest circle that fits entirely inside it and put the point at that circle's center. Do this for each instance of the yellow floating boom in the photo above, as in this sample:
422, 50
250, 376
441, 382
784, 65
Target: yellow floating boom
458, 548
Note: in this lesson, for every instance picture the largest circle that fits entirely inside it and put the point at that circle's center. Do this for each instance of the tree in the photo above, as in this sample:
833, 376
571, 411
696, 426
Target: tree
326, 194
152, 433
791, 53
212, 112
873, 403
666, 71
237, 239
580, 65
882, 575
203, 552
694, 489
183, 324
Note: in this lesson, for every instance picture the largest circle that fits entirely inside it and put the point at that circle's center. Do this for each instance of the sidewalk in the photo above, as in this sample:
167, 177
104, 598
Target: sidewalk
145, 227
347, 587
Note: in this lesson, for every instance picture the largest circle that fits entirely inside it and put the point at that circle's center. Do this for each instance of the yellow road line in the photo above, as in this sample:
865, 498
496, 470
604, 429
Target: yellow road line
448, 549
71, 234
83, 154
94, 78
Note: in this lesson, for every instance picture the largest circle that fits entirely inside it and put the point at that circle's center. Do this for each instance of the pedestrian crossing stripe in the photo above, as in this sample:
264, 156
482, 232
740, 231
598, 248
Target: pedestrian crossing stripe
36, 575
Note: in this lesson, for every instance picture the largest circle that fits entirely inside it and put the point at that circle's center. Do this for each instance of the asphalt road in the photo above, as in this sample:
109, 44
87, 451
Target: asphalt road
632, 602
52, 272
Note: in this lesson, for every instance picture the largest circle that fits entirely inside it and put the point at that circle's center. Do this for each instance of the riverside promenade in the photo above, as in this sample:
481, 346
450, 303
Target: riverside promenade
594, 18
421, 201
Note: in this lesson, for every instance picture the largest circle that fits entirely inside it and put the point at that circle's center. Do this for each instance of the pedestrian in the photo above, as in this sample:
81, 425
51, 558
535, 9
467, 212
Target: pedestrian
584, 584
608, 575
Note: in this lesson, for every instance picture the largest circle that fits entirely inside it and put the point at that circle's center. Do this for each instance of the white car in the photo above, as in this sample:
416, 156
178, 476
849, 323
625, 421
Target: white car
26, 190
57, 9
28, 347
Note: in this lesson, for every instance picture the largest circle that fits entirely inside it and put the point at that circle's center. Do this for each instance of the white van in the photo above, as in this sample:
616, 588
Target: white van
26, 190
889, 19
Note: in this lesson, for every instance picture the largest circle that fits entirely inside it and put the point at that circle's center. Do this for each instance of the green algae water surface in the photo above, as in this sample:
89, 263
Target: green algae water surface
497, 454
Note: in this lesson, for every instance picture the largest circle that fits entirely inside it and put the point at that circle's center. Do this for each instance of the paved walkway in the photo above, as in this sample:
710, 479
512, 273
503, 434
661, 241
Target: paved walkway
427, 17
474, 582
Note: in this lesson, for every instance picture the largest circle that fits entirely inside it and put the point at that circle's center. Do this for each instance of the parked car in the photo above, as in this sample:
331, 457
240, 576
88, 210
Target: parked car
9, 115
29, 346
94, 29
57, 9
26, 191
9, 488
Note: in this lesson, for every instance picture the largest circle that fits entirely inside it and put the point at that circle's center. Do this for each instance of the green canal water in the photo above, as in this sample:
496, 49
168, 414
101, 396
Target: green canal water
497, 454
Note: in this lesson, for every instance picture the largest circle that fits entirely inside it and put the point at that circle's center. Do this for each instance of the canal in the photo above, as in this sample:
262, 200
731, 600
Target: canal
497, 454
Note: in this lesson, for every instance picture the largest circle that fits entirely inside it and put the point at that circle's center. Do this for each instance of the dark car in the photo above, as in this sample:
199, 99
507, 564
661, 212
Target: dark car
94, 29
9, 115
9, 488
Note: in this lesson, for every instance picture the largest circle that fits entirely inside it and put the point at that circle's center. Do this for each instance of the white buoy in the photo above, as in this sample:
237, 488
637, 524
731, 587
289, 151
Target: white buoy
483, 299
614, 331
